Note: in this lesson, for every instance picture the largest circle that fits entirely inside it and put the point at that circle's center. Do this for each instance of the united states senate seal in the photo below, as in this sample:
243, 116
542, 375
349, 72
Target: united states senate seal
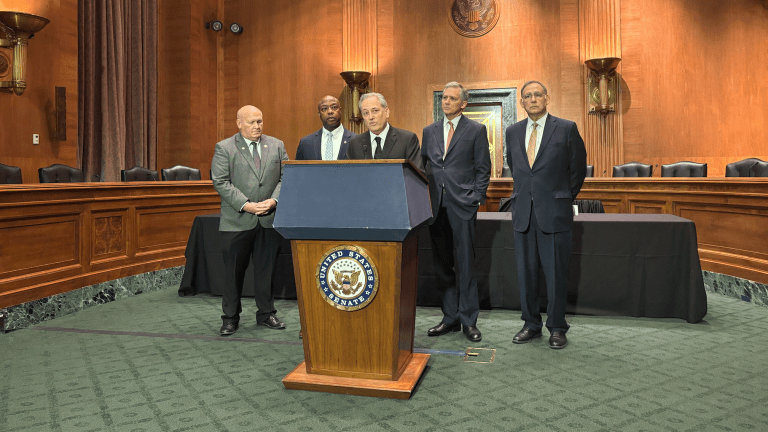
473, 18
347, 278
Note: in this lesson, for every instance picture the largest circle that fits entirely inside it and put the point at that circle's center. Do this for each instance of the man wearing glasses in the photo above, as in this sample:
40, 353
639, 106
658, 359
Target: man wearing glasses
549, 162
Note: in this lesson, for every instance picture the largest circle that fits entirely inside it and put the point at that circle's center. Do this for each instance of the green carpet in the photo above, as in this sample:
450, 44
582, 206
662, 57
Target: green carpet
154, 362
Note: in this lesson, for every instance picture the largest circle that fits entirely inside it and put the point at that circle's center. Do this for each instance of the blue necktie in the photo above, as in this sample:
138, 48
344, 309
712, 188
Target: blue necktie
329, 147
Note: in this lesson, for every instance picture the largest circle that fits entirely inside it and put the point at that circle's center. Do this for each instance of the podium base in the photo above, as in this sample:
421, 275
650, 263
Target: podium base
299, 379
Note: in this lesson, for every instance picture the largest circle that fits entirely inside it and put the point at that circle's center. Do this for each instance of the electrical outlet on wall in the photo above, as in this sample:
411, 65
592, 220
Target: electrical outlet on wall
35, 139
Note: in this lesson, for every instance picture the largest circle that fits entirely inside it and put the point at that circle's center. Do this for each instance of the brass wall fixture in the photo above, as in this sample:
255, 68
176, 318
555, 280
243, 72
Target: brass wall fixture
357, 81
603, 85
16, 29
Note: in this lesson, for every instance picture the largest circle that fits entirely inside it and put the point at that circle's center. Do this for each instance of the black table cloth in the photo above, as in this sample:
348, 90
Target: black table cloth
621, 264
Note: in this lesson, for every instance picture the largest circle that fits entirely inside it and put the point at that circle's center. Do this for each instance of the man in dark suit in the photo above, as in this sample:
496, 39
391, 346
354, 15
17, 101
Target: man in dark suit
549, 162
332, 140
458, 162
247, 172
382, 141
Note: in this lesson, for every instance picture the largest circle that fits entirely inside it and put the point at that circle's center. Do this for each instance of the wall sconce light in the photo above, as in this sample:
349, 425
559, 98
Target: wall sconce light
18, 29
214, 25
235, 28
602, 86
356, 80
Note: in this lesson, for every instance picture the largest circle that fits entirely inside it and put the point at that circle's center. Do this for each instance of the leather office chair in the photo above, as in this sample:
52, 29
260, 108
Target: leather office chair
759, 169
589, 206
590, 170
505, 205
684, 169
742, 168
58, 173
138, 173
180, 173
10, 174
633, 169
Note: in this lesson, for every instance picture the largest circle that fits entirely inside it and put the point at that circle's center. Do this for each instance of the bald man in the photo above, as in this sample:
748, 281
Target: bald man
247, 172
332, 140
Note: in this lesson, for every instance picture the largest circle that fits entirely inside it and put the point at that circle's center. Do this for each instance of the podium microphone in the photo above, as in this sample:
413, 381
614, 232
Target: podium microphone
96, 176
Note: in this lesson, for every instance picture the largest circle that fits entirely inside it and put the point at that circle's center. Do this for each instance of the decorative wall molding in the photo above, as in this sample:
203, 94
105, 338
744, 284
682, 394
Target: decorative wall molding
600, 37
359, 50
55, 238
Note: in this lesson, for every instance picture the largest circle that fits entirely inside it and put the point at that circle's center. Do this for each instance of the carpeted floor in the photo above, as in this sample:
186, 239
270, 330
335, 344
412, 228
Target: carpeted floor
154, 362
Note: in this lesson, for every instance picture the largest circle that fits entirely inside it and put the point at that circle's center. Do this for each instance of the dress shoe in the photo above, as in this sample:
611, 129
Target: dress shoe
473, 333
444, 328
273, 323
557, 340
525, 335
229, 328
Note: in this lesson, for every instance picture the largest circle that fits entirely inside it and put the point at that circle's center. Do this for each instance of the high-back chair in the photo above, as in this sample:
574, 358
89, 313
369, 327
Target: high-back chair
684, 169
58, 173
180, 173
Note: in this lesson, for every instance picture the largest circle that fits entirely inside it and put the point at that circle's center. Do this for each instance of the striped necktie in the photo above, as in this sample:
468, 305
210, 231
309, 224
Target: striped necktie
532, 145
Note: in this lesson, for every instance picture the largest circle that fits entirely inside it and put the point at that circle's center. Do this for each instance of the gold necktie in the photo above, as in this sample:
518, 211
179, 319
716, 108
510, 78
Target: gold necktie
532, 146
450, 136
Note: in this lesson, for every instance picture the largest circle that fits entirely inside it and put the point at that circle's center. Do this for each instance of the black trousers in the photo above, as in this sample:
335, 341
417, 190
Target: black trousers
554, 251
460, 300
260, 245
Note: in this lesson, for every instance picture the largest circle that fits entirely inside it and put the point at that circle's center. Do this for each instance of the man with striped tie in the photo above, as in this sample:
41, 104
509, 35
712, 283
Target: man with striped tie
458, 162
548, 161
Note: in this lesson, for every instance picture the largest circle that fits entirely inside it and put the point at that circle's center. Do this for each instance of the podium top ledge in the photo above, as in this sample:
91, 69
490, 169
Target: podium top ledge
359, 162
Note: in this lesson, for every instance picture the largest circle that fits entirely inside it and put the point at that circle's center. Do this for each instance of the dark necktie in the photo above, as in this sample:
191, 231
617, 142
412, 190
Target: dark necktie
378, 147
256, 158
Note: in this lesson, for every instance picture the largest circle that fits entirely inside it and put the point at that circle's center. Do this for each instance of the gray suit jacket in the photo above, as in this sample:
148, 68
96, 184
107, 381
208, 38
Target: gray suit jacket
237, 181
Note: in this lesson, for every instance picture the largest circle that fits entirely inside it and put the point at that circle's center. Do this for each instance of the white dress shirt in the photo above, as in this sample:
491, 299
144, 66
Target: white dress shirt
252, 144
383, 136
539, 132
447, 128
336, 135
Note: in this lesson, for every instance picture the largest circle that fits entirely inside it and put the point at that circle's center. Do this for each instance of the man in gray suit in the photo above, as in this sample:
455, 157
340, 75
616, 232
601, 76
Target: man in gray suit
247, 172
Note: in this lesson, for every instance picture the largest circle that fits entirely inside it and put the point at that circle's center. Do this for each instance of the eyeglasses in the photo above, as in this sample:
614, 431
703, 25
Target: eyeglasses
537, 95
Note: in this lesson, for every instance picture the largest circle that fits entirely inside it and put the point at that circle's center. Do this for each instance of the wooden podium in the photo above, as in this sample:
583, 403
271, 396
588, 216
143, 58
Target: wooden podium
352, 231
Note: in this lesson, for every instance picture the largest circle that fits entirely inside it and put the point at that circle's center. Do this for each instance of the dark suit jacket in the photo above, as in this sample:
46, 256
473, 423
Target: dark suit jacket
237, 180
556, 178
310, 147
399, 144
464, 173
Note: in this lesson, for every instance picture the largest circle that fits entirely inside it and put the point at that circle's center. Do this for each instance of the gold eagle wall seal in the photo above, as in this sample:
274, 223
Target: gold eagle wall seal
347, 278
473, 18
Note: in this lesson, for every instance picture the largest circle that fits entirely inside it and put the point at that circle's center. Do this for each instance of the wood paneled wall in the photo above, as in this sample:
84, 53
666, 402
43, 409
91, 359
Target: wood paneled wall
676, 56
531, 40
286, 59
51, 62
694, 81
188, 86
